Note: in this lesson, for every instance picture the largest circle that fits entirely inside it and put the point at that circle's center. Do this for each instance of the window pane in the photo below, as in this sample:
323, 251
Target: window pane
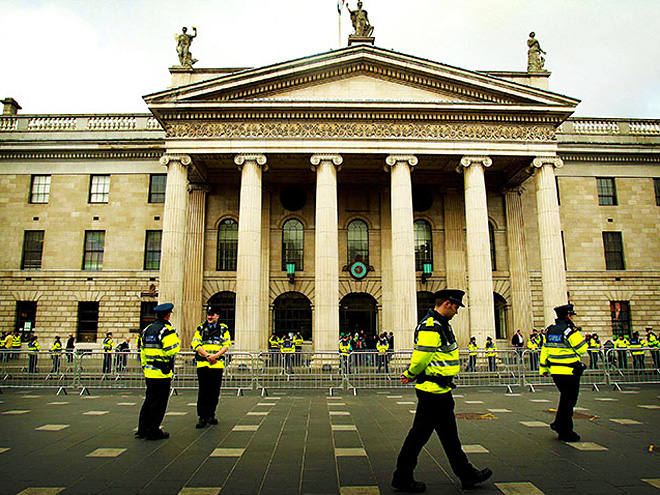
93, 257
33, 245
423, 245
613, 246
99, 191
157, 184
227, 245
88, 321
606, 191
26, 316
656, 187
152, 249
620, 313
292, 244
40, 189
491, 237
358, 242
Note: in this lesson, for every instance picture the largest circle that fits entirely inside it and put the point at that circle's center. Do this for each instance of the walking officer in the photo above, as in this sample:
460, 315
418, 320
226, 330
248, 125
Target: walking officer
210, 343
434, 363
159, 345
560, 357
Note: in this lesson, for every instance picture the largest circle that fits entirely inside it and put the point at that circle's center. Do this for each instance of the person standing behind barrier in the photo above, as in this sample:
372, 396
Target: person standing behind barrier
434, 363
159, 345
274, 348
637, 351
382, 346
594, 351
533, 346
298, 343
653, 342
108, 344
344, 354
210, 343
287, 349
491, 354
70, 346
122, 354
56, 354
473, 352
560, 357
621, 344
518, 341
6, 346
33, 354
16, 345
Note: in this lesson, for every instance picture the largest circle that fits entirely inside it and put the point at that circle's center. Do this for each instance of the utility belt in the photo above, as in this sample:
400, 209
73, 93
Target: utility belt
578, 366
443, 381
164, 366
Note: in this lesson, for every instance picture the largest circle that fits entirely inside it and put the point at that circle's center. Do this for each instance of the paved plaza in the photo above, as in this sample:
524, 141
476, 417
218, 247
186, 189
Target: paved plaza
311, 443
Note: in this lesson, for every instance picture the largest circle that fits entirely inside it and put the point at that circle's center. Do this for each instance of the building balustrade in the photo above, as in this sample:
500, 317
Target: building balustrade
54, 123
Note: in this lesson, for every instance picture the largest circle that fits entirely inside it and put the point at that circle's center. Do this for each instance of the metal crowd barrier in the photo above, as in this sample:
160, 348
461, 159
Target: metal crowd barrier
299, 370
501, 369
24, 369
626, 368
239, 373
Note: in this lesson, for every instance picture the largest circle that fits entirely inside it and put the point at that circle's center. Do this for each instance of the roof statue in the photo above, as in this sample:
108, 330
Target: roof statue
534, 59
183, 42
360, 20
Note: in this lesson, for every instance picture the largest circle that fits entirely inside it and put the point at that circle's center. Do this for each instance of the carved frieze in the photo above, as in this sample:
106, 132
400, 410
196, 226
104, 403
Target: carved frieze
357, 130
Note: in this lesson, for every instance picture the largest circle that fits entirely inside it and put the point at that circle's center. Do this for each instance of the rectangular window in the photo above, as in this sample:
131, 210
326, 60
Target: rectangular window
157, 184
88, 321
33, 247
147, 315
620, 313
99, 189
613, 246
93, 256
26, 315
606, 191
152, 249
656, 187
40, 189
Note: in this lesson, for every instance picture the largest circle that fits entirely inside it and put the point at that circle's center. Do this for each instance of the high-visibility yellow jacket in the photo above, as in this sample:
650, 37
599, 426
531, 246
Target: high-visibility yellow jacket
382, 347
56, 348
274, 342
594, 346
9, 340
562, 349
435, 352
34, 347
160, 344
473, 349
652, 341
636, 347
287, 346
491, 349
212, 340
298, 341
16, 343
532, 344
108, 344
621, 343
344, 347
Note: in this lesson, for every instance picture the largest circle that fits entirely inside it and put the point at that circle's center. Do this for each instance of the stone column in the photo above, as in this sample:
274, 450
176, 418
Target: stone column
456, 268
553, 271
326, 235
172, 266
521, 300
249, 326
480, 268
387, 319
404, 280
194, 262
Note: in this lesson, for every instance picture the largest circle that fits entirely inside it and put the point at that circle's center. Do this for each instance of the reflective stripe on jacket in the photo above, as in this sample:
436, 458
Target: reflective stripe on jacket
473, 349
287, 347
108, 344
160, 344
212, 341
344, 348
34, 347
56, 348
562, 349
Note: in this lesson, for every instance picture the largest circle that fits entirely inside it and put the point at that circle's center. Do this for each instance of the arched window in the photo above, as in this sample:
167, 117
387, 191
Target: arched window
501, 310
423, 245
226, 302
293, 244
227, 245
292, 313
358, 242
491, 237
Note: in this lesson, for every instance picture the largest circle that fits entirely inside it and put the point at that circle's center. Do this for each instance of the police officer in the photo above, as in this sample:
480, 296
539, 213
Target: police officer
533, 346
287, 349
56, 354
16, 345
108, 344
298, 343
653, 342
434, 363
274, 348
560, 357
344, 354
491, 354
33, 354
210, 343
159, 345
622, 343
473, 352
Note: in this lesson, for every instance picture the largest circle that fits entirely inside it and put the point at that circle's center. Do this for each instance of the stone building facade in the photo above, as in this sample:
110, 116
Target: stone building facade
331, 193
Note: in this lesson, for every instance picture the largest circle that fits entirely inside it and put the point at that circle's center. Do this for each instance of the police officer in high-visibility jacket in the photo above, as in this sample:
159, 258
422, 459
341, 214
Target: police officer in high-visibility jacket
108, 345
33, 354
56, 354
210, 343
159, 345
345, 348
287, 348
473, 352
653, 342
434, 363
382, 346
560, 357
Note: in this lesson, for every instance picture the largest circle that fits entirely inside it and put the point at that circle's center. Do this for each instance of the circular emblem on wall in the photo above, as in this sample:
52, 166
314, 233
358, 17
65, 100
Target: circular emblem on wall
358, 270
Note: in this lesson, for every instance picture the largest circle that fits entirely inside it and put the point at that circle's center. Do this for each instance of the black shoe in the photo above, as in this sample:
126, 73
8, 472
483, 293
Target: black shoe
569, 437
212, 420
201, 423
478, 476
159, 435
411, 486
140, 434
553, 427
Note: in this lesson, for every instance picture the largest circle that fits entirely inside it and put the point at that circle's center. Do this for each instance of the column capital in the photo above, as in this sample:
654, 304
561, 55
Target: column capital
198, 186
336, 159
167, 158
258, 158
467, 161
392, 160
541, 161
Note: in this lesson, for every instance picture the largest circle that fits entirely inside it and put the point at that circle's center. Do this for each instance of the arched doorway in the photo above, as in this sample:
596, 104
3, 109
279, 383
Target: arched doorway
425, 301
501, 309
292, 313
226, 301
358, 311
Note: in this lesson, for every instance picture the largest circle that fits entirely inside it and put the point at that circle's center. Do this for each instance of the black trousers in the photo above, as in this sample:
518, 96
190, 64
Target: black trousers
210, 380
154, 406
107, 362
434, 412
569, 389
32, 363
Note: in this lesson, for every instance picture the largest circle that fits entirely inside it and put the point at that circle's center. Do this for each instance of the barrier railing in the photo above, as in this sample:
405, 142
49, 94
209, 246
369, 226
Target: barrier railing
24, 369
299, 370
631, 366
239, 373
499, 368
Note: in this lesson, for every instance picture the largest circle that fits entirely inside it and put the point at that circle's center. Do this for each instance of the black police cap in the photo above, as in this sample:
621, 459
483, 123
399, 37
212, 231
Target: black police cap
212, 310
566, 309
451, 295
164, 308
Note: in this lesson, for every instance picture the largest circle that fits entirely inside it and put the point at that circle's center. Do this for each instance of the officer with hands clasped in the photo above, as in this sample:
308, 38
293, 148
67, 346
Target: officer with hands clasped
560, 357
434, 363
210, 343
159, 343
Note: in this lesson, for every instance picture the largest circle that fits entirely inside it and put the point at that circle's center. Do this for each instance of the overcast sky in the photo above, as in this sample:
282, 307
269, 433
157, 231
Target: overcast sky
102, 56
